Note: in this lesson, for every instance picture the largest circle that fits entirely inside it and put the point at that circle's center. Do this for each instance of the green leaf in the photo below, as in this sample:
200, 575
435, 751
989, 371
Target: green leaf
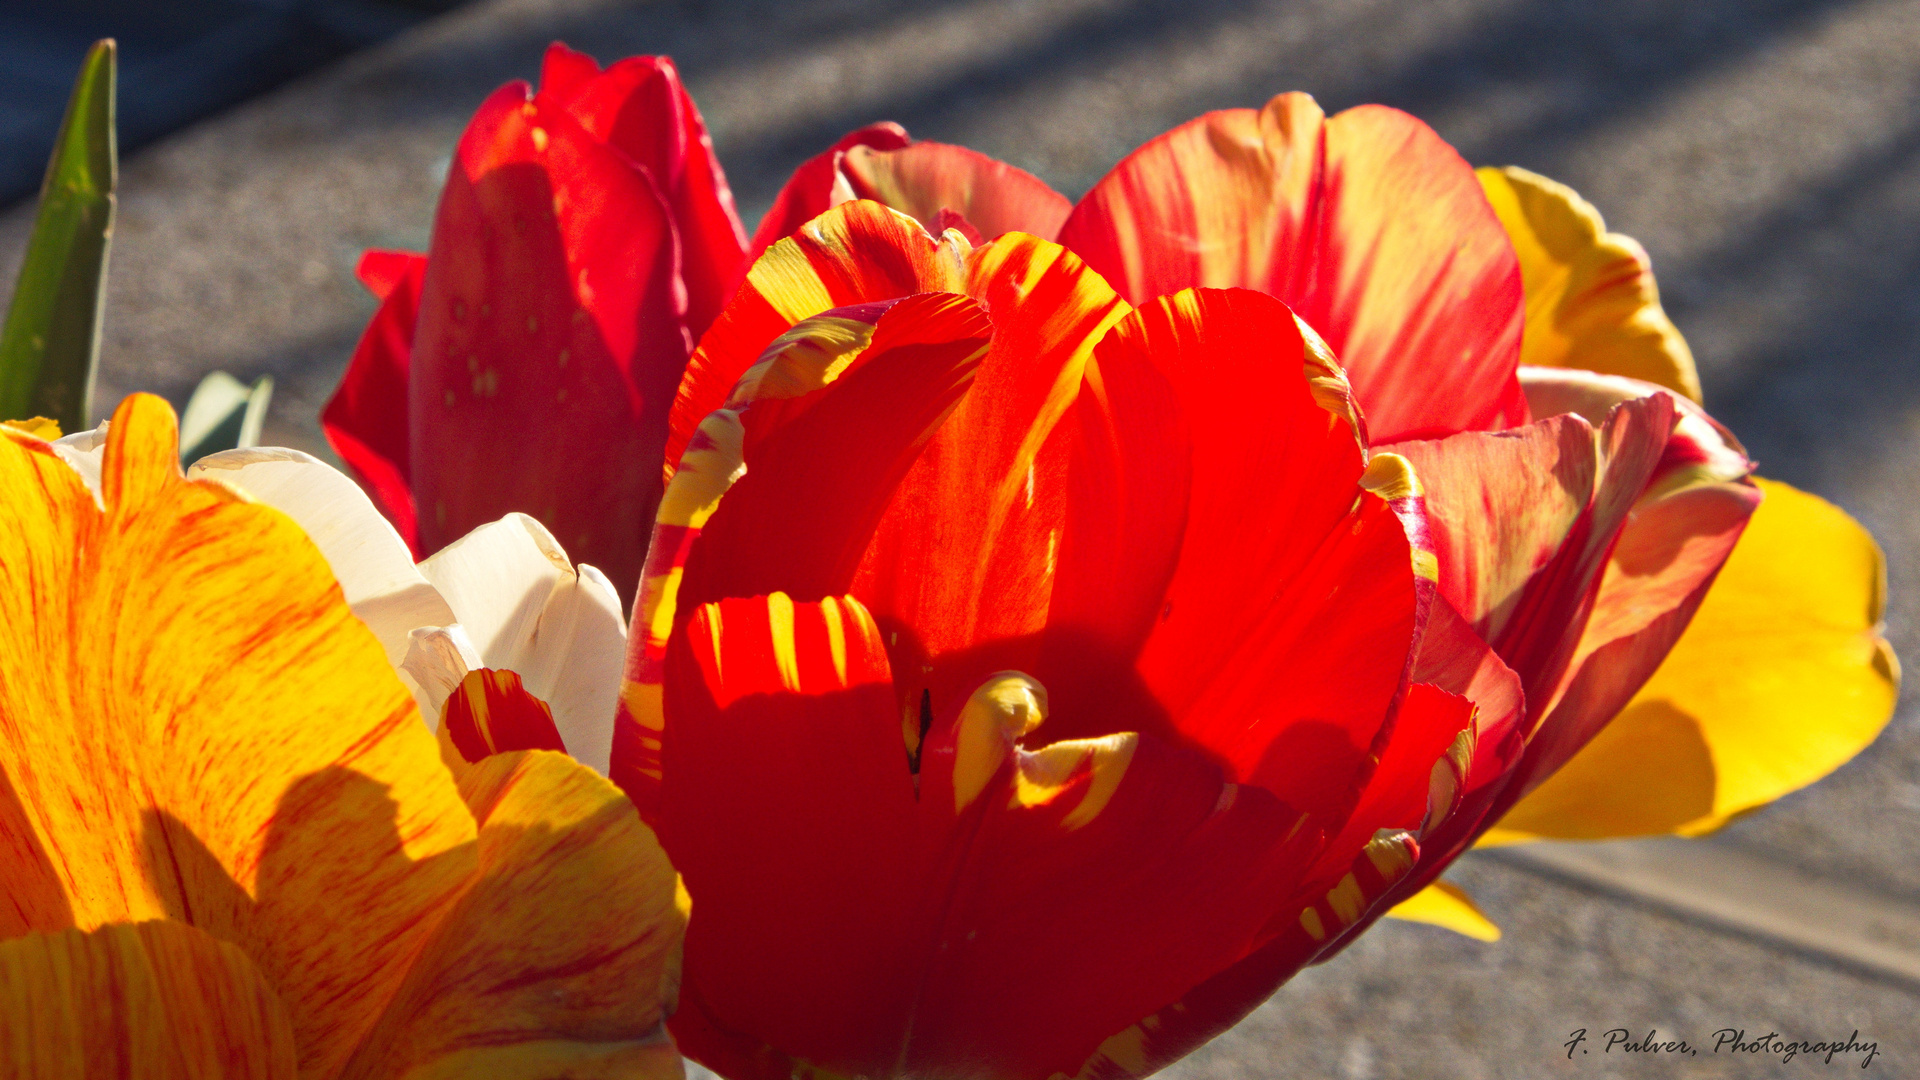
51, 342
223, 414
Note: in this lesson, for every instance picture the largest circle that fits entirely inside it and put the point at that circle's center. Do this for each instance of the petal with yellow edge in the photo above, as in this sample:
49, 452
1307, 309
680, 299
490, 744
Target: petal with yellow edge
158, 1000
1447, 905
856, 253
194, 726
1781, 678
1591, 298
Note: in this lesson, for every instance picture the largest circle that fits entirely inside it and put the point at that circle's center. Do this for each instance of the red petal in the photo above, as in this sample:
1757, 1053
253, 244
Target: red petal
564, 72
550, 339
383, 271
640, 108
1368, 225
491, 713
929, 178
785, 777
366, 419
810, 191
1289, 622
815, 486
857, 253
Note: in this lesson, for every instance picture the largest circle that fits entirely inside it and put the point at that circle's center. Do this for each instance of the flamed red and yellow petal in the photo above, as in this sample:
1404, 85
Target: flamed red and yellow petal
1288, 623
1367, 224
857, 253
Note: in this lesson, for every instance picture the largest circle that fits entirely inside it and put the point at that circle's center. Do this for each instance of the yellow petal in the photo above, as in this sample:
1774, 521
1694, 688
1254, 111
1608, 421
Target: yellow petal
1591, 298
550, 964
1781, 678
1446, 905
152, 1001
38, 426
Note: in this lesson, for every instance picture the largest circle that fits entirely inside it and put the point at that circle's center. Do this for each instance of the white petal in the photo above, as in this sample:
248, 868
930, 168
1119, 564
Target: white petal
375, 569
497, 579
438, 657
83, 450
574, 663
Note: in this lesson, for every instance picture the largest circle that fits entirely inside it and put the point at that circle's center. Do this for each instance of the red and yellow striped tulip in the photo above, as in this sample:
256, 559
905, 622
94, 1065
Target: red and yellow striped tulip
230, 846
995, 628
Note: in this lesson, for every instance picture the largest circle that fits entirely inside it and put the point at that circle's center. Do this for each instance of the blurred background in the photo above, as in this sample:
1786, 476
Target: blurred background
1767, 153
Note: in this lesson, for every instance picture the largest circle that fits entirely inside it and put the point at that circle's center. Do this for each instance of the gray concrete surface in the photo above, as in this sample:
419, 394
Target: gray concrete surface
1767, 154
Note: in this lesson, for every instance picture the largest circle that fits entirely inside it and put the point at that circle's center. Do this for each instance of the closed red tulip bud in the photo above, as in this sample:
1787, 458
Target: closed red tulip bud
585, 239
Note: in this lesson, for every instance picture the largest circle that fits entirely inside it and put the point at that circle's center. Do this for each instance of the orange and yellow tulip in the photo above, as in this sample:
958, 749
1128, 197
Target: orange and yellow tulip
231, 847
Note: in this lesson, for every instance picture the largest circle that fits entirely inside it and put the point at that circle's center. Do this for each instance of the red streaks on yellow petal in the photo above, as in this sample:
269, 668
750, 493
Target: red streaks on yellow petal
153, 999
1591, 299
1366, 223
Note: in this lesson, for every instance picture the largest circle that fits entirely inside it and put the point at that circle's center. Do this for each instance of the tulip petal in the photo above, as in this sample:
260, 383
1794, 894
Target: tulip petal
1591, 298
856, 253
822, 482
783, 769
490, 712
1367, 224
236, 754
1781, 677
549, 964
927, 178
366, 420
1287, 626
639, 107
1446, 905
955, 601
551, 335
902, 961
154, 999
1523, 522
818, 185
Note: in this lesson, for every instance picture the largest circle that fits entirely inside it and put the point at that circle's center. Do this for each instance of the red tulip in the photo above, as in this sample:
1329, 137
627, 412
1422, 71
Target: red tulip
585, 240
1026, 684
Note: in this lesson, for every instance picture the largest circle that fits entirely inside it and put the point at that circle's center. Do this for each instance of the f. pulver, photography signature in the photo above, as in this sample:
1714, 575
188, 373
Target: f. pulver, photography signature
1734, 1041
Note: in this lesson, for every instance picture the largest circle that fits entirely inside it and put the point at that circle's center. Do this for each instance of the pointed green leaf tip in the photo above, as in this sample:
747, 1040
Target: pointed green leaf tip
51, 342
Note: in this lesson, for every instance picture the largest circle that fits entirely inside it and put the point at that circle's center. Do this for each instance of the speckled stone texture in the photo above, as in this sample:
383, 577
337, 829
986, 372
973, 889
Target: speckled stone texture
1767, 153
